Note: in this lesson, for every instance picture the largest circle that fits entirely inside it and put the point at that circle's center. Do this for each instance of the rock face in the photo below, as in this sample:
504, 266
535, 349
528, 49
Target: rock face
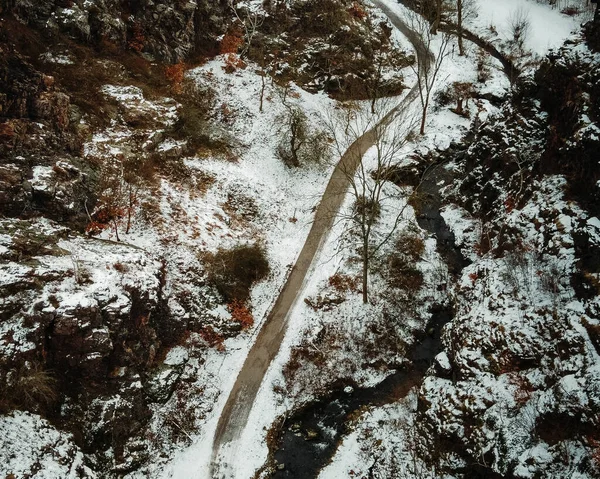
169, 30
27, 93
29, 103
80, 323
38, 172
86, 325
82, 306
516, 390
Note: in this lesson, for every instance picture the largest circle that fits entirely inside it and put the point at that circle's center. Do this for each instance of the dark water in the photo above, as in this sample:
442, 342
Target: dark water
430, 219
310, 437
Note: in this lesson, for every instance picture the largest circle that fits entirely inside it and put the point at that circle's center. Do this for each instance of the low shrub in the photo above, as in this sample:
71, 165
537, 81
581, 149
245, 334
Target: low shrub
443, 97
344, 283
402, 272
402, 275
234, 271
213, 338
194, 123
241, 314
410, 245
175, 75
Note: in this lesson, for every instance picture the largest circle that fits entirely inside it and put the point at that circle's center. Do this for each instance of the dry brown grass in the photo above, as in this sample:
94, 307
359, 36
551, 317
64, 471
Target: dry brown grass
32, 387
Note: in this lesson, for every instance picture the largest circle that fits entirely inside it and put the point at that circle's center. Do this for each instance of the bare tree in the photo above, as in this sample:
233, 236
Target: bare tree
301, 141
465, 9
461, 92
250, 21
459, 26
263, 76
427, 72
520, 26
389, 134
111, 205
435, 25
120, 182
295, 136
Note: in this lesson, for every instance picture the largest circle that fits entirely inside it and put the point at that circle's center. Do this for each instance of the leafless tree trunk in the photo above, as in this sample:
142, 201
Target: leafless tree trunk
260, 52
251, 22
459, 24
427, 72
367, 185
132, 199
465, 9
263, 86
520, 25
438, 17
116, 228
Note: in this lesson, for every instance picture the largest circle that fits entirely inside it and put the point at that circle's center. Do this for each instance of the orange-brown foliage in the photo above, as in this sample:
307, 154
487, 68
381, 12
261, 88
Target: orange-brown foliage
357, 11
213, 338
509, 204
174, 74
240, 313
232, 63
343, 282
231, 43
138, 39
523, 389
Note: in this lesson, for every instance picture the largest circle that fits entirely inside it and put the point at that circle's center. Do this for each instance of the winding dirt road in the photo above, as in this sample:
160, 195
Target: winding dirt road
241, 399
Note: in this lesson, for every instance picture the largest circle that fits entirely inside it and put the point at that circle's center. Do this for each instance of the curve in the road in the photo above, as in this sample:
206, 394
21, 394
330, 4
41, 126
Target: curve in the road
268, 341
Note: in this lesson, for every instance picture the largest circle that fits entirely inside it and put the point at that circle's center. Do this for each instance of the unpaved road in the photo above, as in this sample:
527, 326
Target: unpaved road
235, 414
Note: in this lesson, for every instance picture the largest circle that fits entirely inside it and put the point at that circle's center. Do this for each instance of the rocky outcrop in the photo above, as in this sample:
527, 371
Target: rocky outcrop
81, 324
82, 306
169, 31
520, 356
25, 93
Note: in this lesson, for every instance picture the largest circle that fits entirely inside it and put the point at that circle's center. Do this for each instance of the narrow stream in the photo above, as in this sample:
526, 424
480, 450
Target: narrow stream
309, 438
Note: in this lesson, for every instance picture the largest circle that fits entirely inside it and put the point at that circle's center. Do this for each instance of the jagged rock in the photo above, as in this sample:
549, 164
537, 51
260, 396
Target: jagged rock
59, 302
160, 386
14, 191
27, 93
170, 30
442, 365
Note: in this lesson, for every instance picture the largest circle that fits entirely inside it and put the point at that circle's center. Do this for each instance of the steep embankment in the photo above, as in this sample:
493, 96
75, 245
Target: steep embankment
521, 355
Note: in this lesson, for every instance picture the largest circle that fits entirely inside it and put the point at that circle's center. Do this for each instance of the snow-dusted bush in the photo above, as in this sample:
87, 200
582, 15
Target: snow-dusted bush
300, 143
234, 271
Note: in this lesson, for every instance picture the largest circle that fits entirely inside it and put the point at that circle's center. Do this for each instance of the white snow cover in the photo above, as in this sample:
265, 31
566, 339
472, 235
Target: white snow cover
199, 221
549, 27
31, 447
443, 127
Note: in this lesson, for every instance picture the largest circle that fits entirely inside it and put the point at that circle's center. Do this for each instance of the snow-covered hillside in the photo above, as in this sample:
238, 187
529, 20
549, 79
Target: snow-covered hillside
176, 177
